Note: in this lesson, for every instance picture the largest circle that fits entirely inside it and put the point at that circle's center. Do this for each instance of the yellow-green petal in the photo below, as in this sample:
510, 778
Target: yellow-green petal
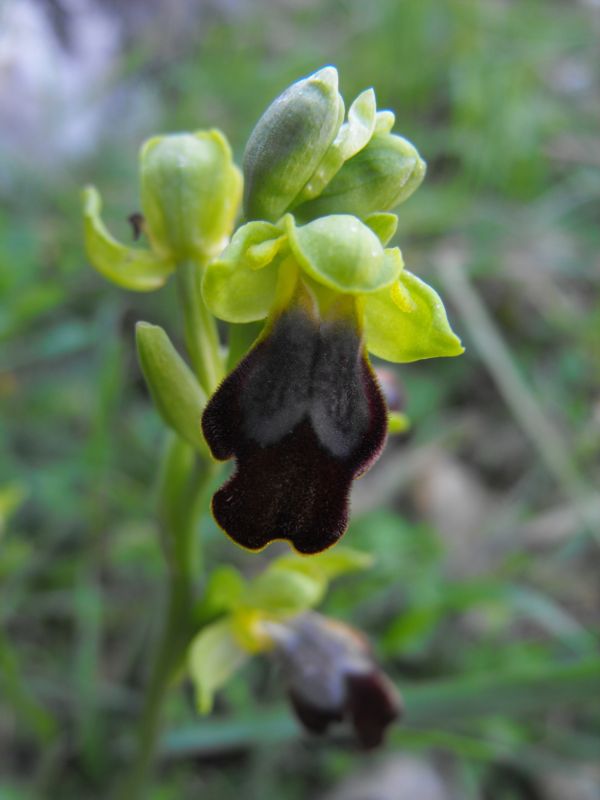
214, 656
408, 323
129, 267
343, 253
238, 293
241, 285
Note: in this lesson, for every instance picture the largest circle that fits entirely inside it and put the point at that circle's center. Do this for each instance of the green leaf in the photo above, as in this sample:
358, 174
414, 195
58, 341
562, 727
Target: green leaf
240, 286
129, 267
408, 322
177, 394
12, 495
343, 253
214, 656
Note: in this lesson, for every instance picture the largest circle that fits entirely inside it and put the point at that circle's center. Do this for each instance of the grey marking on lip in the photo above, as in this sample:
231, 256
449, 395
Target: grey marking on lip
310, 371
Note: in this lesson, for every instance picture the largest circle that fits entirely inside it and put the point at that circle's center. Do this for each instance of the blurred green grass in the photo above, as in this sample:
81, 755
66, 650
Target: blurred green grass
513, 193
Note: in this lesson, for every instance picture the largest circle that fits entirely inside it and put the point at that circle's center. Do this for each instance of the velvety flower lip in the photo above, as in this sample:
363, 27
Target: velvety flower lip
303, 416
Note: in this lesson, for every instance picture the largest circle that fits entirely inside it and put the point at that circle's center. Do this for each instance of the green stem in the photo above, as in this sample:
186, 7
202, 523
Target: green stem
184, 482
178, 624
175, 636
201, 335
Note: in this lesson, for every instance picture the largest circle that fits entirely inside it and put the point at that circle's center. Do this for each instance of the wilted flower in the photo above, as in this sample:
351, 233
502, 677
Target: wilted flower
302, 413
332, 676
190, 194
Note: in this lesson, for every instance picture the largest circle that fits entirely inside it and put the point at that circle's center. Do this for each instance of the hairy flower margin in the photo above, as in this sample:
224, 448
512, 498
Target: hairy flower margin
302, 412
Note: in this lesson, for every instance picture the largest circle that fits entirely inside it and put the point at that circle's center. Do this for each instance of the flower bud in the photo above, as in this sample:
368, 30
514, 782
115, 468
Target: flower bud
288, 143
191, 191
379, 177
177, 394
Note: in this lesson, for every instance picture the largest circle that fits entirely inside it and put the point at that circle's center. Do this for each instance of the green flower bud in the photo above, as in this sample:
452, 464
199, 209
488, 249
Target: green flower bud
191, 190
379, 177
341, 252
175, 391
288, 143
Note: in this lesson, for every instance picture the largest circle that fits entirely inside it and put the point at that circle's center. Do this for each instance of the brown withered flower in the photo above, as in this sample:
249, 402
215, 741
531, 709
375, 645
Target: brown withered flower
332, 677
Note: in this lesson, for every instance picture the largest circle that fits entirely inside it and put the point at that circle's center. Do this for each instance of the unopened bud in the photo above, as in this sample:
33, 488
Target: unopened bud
288, 143
379, 177
191, 191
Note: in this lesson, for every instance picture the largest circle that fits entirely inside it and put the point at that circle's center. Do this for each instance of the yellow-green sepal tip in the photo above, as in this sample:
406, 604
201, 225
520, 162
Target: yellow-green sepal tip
134, 268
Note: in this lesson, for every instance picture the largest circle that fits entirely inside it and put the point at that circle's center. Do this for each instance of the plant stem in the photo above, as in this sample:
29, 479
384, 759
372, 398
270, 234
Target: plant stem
185, 478
201, 335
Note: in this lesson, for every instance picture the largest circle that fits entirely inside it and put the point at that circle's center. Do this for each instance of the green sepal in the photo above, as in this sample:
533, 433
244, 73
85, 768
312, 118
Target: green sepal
342, 253
378, 178
288, 143
129, 267
240, 286
176, 393
213, 658
383, 225
397, 423
408, 322
284, 592
191, 191
224, 591
292, 584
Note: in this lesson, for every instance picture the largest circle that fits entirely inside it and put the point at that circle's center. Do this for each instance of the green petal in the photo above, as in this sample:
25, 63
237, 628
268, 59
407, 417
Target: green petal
128, 267
384, 121
177, 394
408, 323
351, 138
214, 656
355, 133
240, 286
343, 253
383, 225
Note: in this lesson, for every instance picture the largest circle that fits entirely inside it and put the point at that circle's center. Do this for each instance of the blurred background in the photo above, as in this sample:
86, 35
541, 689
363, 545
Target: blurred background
485, 518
